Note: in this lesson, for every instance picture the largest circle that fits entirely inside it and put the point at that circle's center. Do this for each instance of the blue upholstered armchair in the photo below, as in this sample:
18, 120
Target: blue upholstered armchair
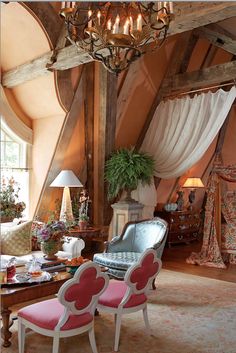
124, 250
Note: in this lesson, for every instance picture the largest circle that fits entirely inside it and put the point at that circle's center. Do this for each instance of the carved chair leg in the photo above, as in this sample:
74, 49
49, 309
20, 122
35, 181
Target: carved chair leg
6, 324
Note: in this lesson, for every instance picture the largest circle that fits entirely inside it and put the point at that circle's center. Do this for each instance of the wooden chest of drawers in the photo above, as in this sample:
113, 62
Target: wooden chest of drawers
183, 225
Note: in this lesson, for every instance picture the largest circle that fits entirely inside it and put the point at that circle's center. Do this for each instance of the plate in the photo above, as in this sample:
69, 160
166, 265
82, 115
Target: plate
25, 278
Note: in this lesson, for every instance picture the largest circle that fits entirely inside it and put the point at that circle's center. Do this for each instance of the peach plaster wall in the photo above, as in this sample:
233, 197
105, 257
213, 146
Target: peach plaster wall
139, 89
73, 159
46, 132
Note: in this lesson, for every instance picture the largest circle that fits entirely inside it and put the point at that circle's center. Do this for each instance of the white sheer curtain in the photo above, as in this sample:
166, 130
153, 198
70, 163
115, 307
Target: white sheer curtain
147, 196
182, 130
178, 136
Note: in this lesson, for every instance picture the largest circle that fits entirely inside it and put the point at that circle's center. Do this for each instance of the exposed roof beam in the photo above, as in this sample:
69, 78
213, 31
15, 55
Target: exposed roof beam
217, 39
67, 58
189, 15
217, 27
201, 78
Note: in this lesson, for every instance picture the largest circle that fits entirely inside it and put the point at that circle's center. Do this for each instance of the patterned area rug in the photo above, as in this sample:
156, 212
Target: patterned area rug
188, 314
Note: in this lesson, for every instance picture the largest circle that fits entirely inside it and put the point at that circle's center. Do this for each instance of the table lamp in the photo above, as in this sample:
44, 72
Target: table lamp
66, 179
193, 184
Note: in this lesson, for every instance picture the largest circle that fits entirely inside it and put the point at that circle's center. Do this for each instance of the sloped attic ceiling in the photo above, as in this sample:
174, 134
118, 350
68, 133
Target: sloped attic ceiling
22, 40
40, 97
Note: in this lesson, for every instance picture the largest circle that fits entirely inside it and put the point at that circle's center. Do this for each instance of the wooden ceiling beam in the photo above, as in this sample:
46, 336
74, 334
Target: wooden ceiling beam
217, 27
67, 58
189, 15
188, 53
201, 78
105, 126
62, 78
89, 131
218, 39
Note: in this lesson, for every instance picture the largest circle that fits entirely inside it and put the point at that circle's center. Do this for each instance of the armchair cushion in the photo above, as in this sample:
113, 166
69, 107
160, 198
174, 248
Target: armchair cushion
125, 250
118, 260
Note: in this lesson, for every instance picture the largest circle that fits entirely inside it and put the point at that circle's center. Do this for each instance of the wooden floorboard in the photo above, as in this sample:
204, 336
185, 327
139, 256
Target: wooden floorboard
174, 259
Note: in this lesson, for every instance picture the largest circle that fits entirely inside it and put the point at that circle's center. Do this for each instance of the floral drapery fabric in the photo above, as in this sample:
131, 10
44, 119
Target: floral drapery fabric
210, 254
228, 229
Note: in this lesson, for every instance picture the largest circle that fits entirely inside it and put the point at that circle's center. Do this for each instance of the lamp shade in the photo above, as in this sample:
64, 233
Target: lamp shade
193, 183
66, 178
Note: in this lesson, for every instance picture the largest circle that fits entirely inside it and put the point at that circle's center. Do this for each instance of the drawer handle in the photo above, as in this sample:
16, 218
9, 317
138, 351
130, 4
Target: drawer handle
182, 227
180, 237
195, 235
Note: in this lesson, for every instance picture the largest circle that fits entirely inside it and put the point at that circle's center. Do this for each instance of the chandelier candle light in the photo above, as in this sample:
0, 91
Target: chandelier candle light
66, 179
117, 33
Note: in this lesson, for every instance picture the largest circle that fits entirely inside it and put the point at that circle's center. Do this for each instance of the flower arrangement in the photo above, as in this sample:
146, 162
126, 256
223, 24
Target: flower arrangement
9, 207
52, 231
83, 217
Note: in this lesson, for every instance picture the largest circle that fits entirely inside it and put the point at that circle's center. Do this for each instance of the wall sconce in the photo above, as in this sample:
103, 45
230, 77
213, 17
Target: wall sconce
66, 179
192, 184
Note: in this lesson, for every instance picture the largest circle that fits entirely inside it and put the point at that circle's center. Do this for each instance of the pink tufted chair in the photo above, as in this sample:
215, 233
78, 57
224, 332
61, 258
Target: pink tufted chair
71, 313
130, 295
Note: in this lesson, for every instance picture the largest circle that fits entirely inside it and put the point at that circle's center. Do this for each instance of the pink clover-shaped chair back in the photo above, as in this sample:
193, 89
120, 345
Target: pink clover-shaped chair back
80, 294
139, 276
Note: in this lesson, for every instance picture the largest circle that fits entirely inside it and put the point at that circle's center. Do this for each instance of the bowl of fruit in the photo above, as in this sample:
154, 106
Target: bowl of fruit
73, 264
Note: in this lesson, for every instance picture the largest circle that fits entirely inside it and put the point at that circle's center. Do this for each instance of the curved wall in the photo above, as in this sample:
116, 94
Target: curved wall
35, 102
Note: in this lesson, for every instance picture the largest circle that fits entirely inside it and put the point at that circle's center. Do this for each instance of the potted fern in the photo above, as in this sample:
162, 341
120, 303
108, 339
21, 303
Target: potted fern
125, 169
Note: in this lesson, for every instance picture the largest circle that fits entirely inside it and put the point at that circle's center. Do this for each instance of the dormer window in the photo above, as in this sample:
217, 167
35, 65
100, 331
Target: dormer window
14, 162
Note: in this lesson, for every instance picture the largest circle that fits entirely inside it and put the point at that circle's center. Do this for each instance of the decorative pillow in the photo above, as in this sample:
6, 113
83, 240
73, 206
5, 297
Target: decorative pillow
16, 240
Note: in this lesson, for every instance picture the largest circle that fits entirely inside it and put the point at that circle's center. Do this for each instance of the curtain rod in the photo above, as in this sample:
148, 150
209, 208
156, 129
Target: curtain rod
7, 169
201, 89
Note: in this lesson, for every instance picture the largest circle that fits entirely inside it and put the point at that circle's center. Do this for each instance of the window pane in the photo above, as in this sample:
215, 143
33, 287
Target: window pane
12, 154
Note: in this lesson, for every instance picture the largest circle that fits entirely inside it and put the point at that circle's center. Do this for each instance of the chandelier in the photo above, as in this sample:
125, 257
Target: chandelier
117, 33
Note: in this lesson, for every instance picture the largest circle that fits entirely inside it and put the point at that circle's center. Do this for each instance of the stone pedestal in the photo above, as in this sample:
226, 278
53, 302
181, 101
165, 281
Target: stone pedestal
125, 212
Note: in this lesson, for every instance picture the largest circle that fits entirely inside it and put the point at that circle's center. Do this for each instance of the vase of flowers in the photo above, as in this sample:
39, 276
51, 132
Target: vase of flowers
83, 218
51, 237
10, 208
83, 221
